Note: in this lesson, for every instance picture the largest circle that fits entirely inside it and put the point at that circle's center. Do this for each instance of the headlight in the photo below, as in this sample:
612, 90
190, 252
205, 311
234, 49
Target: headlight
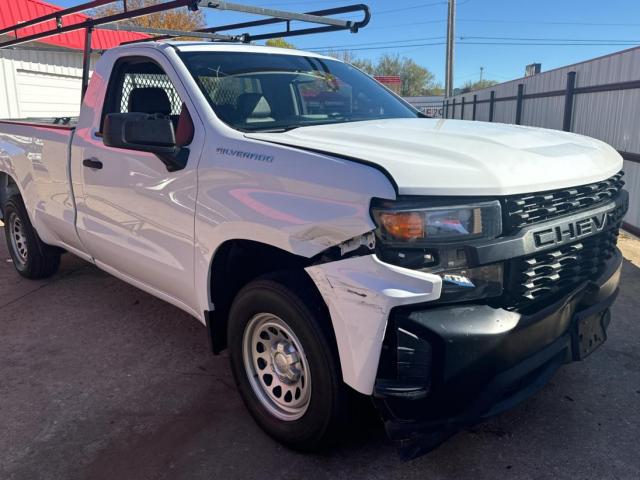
433, 238
405, 222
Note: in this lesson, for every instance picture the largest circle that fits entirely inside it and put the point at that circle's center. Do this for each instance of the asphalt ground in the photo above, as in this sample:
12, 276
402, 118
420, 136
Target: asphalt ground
99, 380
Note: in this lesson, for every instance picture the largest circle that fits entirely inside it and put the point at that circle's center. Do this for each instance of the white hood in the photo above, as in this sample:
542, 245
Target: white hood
454, 157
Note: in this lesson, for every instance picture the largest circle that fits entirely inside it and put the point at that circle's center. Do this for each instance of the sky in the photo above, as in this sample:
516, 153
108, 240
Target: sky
503, 36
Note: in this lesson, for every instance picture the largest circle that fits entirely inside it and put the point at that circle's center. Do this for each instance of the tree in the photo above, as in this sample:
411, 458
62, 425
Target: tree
479, 85
177, 19
365, 65
437, 90
279, 43
348, 56
416, 80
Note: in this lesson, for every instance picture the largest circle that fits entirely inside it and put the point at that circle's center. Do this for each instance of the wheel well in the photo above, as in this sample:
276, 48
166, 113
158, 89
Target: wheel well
235, 264
8, 188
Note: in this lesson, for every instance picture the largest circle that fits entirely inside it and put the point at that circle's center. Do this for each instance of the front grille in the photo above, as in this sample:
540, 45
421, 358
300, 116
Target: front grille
523, 210
546, 276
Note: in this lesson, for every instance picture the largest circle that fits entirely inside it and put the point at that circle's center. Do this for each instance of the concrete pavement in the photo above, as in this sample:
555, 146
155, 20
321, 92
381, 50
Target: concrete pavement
99, 380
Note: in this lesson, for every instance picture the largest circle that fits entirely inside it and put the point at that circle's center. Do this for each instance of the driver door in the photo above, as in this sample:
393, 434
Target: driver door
134, 216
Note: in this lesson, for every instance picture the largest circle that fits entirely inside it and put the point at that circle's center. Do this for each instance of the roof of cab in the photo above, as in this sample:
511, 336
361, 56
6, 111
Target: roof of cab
186, 46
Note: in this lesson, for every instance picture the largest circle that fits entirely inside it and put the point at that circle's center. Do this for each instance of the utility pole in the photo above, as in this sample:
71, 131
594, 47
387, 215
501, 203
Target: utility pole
481, 72
451, 27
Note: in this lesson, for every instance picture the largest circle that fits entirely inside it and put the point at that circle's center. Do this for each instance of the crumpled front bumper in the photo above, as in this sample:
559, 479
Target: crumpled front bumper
463, 363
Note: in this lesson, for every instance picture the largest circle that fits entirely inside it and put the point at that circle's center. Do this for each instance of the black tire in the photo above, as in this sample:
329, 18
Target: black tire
292, 299
31, 257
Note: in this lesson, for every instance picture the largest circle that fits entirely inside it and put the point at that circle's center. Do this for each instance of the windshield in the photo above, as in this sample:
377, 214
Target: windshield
267, 92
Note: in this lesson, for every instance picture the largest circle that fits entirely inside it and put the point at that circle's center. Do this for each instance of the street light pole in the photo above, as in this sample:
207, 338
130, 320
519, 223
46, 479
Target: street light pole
451, 26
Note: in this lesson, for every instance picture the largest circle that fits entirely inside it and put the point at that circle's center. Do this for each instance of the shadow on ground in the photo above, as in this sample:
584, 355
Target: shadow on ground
100, 381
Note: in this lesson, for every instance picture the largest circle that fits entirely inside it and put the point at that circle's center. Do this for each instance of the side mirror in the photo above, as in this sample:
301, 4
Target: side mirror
146, 133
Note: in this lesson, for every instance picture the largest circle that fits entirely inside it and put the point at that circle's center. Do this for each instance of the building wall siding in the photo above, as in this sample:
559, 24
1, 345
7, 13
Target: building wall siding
40, 83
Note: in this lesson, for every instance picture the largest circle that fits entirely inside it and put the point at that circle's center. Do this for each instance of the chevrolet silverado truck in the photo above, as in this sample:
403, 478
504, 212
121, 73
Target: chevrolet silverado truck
328, 235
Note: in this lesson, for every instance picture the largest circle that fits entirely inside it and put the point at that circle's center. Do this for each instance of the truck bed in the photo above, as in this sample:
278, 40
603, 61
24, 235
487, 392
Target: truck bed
34, 152
55, 122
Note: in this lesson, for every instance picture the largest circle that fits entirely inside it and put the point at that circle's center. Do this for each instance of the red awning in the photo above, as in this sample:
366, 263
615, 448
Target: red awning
16, 11
388, 79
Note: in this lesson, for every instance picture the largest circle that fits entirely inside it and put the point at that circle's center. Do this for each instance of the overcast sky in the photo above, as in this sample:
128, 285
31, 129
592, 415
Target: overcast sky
490, 33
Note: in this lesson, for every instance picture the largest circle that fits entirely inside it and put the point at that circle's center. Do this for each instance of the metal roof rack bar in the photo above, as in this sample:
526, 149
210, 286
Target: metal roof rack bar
55, 15
172, 33
279, 14
355, 26
92, 22
320, 17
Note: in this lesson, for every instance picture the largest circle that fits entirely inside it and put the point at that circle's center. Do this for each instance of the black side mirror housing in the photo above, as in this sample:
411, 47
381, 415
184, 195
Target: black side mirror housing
146, 133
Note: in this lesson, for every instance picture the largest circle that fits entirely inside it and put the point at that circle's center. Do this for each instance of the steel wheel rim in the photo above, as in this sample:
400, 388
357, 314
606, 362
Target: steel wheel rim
18, 237
276, 366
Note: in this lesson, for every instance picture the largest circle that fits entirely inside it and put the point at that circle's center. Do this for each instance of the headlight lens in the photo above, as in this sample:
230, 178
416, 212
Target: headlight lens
434, 239
404, 223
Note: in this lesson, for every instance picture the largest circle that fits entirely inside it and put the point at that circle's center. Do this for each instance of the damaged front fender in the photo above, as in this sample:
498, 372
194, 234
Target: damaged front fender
360, 292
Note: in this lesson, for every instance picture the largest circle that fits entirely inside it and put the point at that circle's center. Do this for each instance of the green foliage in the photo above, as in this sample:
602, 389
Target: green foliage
416, 80
179, 19
279, 43
479, 85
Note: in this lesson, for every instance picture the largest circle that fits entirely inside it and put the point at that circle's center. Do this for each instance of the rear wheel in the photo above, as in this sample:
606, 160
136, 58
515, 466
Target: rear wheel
31, 257
285, 363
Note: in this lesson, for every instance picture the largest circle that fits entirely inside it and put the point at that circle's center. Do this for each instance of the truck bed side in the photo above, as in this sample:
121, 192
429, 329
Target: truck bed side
35, 156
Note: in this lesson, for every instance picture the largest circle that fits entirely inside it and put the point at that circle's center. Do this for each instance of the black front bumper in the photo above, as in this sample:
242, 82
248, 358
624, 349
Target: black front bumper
461, 364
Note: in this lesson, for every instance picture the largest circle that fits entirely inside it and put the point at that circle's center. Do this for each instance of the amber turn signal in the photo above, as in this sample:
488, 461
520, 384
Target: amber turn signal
403, 225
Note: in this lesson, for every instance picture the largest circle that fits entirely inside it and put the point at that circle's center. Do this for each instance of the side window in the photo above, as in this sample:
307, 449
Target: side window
140, 85
132, 80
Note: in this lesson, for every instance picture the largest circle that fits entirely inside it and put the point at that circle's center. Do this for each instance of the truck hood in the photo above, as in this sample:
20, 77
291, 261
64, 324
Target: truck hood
455, 157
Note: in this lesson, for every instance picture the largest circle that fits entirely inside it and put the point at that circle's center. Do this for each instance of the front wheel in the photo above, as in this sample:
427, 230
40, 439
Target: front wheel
31, 257
285, 363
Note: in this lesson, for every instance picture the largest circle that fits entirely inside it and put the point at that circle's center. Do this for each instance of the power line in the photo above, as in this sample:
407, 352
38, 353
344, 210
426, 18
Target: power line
386, 47
464, 40
379, 48
407, 24
554, 44
535, 39
543, 22
382, 42
430, 22
414, 7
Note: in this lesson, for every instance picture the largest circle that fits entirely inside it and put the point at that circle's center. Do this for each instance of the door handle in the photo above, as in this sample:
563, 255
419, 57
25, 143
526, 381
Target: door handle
92, 163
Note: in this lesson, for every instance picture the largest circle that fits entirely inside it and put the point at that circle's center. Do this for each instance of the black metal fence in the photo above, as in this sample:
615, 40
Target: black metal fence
454, 109
620, 115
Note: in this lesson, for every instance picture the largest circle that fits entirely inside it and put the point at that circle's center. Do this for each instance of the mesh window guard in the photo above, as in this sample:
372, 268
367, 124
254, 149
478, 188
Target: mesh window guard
132, 81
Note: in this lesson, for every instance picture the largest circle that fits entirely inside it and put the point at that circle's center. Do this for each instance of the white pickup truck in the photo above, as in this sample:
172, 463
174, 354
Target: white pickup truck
330, 236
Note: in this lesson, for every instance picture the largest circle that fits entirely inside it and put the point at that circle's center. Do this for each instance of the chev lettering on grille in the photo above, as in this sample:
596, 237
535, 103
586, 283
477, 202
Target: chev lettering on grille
574, 229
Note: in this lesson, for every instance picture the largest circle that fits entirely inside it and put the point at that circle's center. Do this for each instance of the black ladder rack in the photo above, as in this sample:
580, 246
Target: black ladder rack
323, 21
